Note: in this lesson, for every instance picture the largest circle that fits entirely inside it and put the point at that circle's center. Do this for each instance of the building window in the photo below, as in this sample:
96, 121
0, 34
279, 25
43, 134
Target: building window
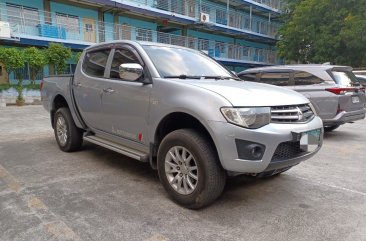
21, 15
143, 35
69, 22
203, 44
221, 16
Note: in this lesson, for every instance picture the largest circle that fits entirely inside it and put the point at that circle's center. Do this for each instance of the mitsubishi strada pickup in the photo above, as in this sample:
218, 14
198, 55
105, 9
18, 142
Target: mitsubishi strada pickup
176, 108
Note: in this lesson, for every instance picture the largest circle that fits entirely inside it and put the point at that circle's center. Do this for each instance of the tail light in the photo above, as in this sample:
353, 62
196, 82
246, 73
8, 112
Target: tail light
41, 85
341, 91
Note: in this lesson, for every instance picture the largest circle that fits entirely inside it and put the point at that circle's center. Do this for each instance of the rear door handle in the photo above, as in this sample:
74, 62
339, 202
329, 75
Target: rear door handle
108, 91
77, 84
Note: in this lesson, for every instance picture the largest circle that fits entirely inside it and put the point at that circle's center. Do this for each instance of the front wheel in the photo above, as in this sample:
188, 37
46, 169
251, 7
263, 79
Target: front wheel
189, 169
69, 138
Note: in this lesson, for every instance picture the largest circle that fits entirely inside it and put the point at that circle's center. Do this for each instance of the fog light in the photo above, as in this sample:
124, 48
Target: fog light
248, 150
256, 151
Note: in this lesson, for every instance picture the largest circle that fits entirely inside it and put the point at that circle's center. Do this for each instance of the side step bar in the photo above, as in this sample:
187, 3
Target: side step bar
140, 156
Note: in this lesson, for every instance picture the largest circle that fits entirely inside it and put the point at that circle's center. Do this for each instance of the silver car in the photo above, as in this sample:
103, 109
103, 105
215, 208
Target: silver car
333, 90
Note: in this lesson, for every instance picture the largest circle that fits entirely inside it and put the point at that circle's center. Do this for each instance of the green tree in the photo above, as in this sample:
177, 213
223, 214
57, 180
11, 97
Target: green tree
36, 60
14, 61
57, 55
318, 31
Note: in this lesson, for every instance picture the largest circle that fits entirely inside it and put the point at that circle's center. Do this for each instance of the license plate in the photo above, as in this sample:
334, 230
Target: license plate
355, 99
310, 140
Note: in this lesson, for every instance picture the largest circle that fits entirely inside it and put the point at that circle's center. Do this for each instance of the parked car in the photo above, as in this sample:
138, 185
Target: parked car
184, 113
333, 90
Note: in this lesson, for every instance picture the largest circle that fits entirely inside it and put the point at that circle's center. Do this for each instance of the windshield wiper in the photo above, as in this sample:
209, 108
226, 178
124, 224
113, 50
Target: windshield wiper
218, 77
182, 76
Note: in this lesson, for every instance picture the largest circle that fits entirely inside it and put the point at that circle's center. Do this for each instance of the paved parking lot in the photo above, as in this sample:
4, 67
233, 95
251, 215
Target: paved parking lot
96, 194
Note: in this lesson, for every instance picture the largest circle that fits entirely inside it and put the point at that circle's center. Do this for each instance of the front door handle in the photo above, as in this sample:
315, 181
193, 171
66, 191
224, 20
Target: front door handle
108, 91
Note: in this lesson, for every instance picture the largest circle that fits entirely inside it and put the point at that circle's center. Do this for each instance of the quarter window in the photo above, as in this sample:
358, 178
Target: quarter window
121, 56
305, 78
95, 62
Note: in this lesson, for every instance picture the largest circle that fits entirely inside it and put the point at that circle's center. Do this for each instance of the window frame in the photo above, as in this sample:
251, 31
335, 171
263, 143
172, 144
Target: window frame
106, 66
135, 52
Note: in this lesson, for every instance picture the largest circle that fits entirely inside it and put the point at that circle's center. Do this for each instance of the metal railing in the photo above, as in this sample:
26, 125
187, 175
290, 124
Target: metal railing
221, 14
74, 30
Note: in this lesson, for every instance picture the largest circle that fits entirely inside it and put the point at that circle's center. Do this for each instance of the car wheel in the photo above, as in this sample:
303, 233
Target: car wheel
69, 138
189, 169
330, 128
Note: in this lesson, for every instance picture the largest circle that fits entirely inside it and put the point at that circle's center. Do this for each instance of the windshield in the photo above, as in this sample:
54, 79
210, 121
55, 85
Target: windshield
170, 61
344, 78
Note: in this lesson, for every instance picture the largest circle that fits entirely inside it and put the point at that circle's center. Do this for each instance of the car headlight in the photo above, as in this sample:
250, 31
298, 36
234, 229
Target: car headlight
313, 109
254, 117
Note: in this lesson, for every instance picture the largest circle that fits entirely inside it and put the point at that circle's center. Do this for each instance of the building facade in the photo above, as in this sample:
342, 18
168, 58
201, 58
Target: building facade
238, 33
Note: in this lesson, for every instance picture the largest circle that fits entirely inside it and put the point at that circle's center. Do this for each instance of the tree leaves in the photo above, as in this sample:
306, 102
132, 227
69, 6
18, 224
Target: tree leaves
317, 31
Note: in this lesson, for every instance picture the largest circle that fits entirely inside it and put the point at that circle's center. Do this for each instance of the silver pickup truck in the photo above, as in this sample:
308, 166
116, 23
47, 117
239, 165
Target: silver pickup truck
184, 113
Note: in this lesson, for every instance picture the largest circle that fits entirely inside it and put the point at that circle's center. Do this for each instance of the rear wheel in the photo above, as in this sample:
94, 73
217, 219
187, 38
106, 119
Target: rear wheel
69, 138
330, 128
189, 169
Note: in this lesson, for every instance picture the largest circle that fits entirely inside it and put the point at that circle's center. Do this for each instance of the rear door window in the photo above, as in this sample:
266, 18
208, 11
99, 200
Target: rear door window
305, 78
95, 62
279, 79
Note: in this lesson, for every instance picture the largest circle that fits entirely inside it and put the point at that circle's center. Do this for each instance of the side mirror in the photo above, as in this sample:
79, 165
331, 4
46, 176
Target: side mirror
130, 71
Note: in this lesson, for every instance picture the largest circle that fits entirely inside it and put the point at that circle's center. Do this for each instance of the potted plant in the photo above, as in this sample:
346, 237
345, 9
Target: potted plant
57, 56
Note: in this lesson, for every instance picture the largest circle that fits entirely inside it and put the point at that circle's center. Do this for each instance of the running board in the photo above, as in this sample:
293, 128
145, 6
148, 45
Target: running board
140, 156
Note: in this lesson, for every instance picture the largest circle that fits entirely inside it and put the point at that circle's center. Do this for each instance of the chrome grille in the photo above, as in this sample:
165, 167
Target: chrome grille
291, 114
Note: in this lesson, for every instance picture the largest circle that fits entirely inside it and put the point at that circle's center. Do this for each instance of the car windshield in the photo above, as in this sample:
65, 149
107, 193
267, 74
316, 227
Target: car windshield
185, 63
344, 78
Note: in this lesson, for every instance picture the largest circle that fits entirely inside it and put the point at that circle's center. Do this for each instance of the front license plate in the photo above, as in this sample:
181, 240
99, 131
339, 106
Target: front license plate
355, 99
310, 140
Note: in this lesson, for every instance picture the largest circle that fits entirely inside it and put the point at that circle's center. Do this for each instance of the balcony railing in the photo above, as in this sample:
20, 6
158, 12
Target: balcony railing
48, 26
221, 14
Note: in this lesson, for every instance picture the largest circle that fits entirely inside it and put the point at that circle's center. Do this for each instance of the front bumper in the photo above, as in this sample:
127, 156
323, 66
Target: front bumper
345, 117
271, 136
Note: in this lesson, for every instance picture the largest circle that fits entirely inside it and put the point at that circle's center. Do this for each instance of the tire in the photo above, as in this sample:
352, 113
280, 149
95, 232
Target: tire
69, 138
201, 161
330, 128
271, 174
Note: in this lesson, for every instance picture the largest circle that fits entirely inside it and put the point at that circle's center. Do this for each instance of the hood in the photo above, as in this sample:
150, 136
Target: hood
241, 93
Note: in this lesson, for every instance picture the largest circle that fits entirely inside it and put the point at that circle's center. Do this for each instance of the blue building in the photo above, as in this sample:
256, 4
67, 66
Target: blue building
238, 33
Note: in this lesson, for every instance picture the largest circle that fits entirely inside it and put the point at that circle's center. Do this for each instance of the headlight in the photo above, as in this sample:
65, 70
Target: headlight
313, 109
248, 117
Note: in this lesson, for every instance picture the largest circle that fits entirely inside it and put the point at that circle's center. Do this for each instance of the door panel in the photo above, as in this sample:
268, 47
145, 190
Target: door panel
126, 109
125, 104
88, 87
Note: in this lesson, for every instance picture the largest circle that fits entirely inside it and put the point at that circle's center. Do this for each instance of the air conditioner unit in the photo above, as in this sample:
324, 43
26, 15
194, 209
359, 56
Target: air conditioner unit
205, 18
4, 30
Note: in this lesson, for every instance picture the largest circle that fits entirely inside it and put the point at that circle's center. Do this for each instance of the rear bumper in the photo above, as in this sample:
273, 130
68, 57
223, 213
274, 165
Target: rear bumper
345, 117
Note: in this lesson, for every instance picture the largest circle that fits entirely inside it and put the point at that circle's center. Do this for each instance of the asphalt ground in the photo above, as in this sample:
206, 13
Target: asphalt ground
96, 194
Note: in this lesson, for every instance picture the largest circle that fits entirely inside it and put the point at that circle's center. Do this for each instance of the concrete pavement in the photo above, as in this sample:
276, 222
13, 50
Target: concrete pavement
96, 194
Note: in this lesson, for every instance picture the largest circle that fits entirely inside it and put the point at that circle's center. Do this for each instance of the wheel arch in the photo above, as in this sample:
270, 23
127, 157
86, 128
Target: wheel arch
58, 102
175, 121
